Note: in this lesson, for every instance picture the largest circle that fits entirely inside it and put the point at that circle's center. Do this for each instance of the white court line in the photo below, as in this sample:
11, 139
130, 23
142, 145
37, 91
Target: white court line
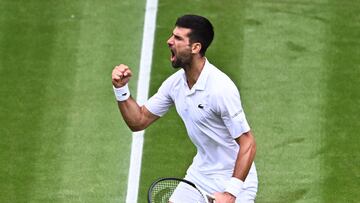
142, 96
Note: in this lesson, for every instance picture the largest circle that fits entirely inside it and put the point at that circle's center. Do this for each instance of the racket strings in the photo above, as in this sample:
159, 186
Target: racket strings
162, 191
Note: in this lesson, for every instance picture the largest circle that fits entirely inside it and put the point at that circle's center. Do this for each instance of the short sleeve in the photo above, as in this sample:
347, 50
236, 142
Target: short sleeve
231, 111
160, 102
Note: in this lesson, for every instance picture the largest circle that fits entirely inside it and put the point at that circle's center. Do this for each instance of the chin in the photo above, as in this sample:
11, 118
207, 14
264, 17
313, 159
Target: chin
175, 65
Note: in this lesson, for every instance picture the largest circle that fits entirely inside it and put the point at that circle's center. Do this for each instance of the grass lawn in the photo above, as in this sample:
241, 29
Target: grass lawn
62, 139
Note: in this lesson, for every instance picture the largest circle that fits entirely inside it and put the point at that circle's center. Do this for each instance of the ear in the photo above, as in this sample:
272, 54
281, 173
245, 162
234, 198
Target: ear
195, 48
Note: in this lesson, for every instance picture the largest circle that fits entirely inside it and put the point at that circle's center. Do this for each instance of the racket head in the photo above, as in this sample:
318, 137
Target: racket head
161, 190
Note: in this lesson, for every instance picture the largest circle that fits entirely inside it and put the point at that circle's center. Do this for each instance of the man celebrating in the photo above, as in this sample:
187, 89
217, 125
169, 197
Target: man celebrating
209, 104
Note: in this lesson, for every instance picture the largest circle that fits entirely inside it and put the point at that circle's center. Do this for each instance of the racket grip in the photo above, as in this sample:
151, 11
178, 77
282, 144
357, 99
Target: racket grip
210, 198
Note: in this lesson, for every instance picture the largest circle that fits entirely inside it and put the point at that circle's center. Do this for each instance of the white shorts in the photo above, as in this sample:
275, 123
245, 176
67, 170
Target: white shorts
185, 194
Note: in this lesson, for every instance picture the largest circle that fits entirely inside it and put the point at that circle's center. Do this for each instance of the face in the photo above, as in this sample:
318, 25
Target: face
180, 47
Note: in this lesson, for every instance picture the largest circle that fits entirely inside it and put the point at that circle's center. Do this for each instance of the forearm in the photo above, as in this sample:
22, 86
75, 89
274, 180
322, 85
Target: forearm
242, 166
130, 112
135, 116
245, 156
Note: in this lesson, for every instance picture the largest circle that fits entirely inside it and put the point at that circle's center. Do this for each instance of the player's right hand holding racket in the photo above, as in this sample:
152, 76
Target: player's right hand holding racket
121, 75
224, 197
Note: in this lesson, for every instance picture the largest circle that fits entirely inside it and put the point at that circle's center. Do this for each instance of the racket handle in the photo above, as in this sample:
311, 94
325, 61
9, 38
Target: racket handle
210, 198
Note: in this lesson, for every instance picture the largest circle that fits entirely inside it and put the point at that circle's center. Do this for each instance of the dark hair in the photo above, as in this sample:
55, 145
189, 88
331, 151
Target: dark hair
201, 30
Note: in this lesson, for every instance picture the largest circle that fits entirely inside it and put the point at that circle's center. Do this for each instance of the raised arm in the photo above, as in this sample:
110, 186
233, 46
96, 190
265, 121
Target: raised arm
135, 116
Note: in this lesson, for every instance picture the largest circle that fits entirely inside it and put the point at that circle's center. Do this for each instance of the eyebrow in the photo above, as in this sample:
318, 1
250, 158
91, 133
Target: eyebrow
177, 36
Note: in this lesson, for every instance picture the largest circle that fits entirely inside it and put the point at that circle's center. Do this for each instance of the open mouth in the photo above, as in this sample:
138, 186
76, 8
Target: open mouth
173, 57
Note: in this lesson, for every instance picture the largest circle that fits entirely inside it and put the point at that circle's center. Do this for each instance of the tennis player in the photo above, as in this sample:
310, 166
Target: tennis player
209, 104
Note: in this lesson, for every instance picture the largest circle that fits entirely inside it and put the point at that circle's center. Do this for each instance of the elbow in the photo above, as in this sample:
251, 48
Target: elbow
136, 128
252, 145
135, 125
248, 144
253, 148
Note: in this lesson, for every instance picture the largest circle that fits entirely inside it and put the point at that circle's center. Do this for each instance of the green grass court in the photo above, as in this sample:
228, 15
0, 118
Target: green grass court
62, 139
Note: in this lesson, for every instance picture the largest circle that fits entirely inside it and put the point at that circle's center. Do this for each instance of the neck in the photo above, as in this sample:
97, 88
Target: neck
193, 70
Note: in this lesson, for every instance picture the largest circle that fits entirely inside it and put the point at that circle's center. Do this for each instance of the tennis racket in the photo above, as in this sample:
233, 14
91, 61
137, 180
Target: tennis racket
161, 190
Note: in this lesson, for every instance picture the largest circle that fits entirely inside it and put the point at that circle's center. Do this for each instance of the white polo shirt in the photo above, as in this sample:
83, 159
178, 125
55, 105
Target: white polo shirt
213, 116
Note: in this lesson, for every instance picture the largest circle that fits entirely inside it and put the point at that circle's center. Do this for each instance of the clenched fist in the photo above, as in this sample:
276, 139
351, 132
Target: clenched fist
121, 75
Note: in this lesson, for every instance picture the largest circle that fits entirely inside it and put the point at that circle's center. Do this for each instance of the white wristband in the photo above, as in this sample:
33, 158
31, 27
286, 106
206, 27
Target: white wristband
234, 186
122, 93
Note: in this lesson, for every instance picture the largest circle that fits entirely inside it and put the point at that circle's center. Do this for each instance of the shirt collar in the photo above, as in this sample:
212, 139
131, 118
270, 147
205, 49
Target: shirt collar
201, 81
